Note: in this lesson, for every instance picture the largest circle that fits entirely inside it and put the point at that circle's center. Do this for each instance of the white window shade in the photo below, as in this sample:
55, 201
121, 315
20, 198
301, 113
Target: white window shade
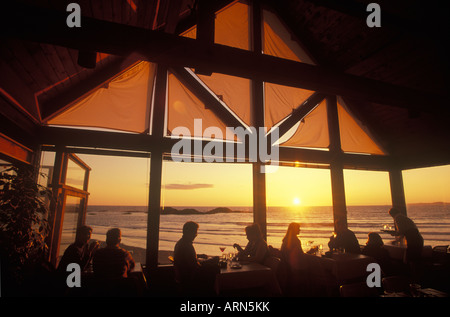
121, 104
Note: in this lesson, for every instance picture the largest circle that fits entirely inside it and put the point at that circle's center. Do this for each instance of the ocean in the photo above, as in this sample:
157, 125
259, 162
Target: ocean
226, 228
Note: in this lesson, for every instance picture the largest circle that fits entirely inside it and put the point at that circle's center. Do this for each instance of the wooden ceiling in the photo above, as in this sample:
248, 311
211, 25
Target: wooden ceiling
407, 52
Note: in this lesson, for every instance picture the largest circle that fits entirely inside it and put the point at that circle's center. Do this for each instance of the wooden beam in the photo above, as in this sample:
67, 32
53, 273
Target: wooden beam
210, 101
173, 16
12, 150
154, 210
48, 26
90, 141
336, 165
62, 100
16, 124
156, 161
300, 112
54, 210
419, 21
397, 190
257, 119
205, 28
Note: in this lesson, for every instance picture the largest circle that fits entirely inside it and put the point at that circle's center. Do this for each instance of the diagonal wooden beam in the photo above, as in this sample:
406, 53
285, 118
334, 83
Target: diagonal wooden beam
212, 102
58, 103
49, 26
300, 112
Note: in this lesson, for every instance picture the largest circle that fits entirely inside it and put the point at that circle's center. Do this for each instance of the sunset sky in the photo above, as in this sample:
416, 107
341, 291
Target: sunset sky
124, 181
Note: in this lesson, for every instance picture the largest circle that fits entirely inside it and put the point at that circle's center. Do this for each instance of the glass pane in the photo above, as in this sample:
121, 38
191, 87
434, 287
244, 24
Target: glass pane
118, 197
217, 196
46, 168
75, 175
302, 195
70, 222
368, 199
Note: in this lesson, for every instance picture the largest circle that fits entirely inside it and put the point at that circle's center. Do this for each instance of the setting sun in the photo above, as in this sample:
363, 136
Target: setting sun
296, 201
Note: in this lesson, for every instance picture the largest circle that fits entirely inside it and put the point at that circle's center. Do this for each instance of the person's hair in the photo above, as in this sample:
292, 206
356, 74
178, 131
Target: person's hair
374, 239
394, 211
84, 229
190, 227
292, 230
113, 236
291, 235
253, 231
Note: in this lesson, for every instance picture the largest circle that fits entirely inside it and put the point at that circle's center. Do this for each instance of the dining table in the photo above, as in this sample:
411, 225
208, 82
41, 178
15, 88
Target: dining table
346, 267
239, 276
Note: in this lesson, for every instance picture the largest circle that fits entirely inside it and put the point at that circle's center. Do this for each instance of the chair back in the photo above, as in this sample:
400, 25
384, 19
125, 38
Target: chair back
273, 263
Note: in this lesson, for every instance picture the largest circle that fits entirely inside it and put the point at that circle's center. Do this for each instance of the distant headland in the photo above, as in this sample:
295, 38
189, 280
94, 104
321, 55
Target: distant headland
192, 211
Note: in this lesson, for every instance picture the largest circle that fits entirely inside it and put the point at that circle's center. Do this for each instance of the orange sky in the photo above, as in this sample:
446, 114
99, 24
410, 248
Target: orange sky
124, 181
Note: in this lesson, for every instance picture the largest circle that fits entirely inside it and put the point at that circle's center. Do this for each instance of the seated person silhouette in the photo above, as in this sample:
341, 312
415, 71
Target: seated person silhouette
375, 248
344, 239
256, 249
112, 262
291, 247
193, 276
80, 251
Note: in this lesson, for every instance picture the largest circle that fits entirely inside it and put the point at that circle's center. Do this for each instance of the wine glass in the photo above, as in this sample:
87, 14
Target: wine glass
320, 249
222, 248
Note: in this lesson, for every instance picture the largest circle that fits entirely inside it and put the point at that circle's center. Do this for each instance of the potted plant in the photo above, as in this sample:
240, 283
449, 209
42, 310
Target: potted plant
23, 224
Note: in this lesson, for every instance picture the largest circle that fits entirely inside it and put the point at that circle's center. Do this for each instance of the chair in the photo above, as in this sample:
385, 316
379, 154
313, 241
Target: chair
440, 252
359, 289
274, 263
396, 284
440, 248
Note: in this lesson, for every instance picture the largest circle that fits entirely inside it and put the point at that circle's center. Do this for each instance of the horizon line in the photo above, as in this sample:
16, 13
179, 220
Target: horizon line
250, 206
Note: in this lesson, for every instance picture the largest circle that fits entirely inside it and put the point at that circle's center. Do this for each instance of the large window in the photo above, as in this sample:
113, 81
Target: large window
71, 220
427, 193
218, 196
368, 198
118, 188
303, 195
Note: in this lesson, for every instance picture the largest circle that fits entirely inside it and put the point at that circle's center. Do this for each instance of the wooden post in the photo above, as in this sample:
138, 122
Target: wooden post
205, 28
336, 166
154, 198
259, 198
257, 95
397, 190
338, 192
52, 238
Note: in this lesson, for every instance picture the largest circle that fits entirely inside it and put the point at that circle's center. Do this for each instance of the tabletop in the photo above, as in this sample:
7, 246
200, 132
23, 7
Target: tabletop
249, 275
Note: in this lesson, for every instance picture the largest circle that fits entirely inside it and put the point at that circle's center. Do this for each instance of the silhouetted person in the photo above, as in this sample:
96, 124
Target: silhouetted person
80, 251
256, 249
291, 247
194, 277
375, 248
293, 273
344, 239
407, 229
112, 262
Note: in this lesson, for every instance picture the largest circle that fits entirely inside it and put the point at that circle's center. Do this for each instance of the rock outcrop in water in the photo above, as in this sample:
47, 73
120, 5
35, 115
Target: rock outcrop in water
192, 211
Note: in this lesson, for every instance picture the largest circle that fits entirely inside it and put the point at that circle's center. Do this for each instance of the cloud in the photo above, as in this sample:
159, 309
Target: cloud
188, 186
